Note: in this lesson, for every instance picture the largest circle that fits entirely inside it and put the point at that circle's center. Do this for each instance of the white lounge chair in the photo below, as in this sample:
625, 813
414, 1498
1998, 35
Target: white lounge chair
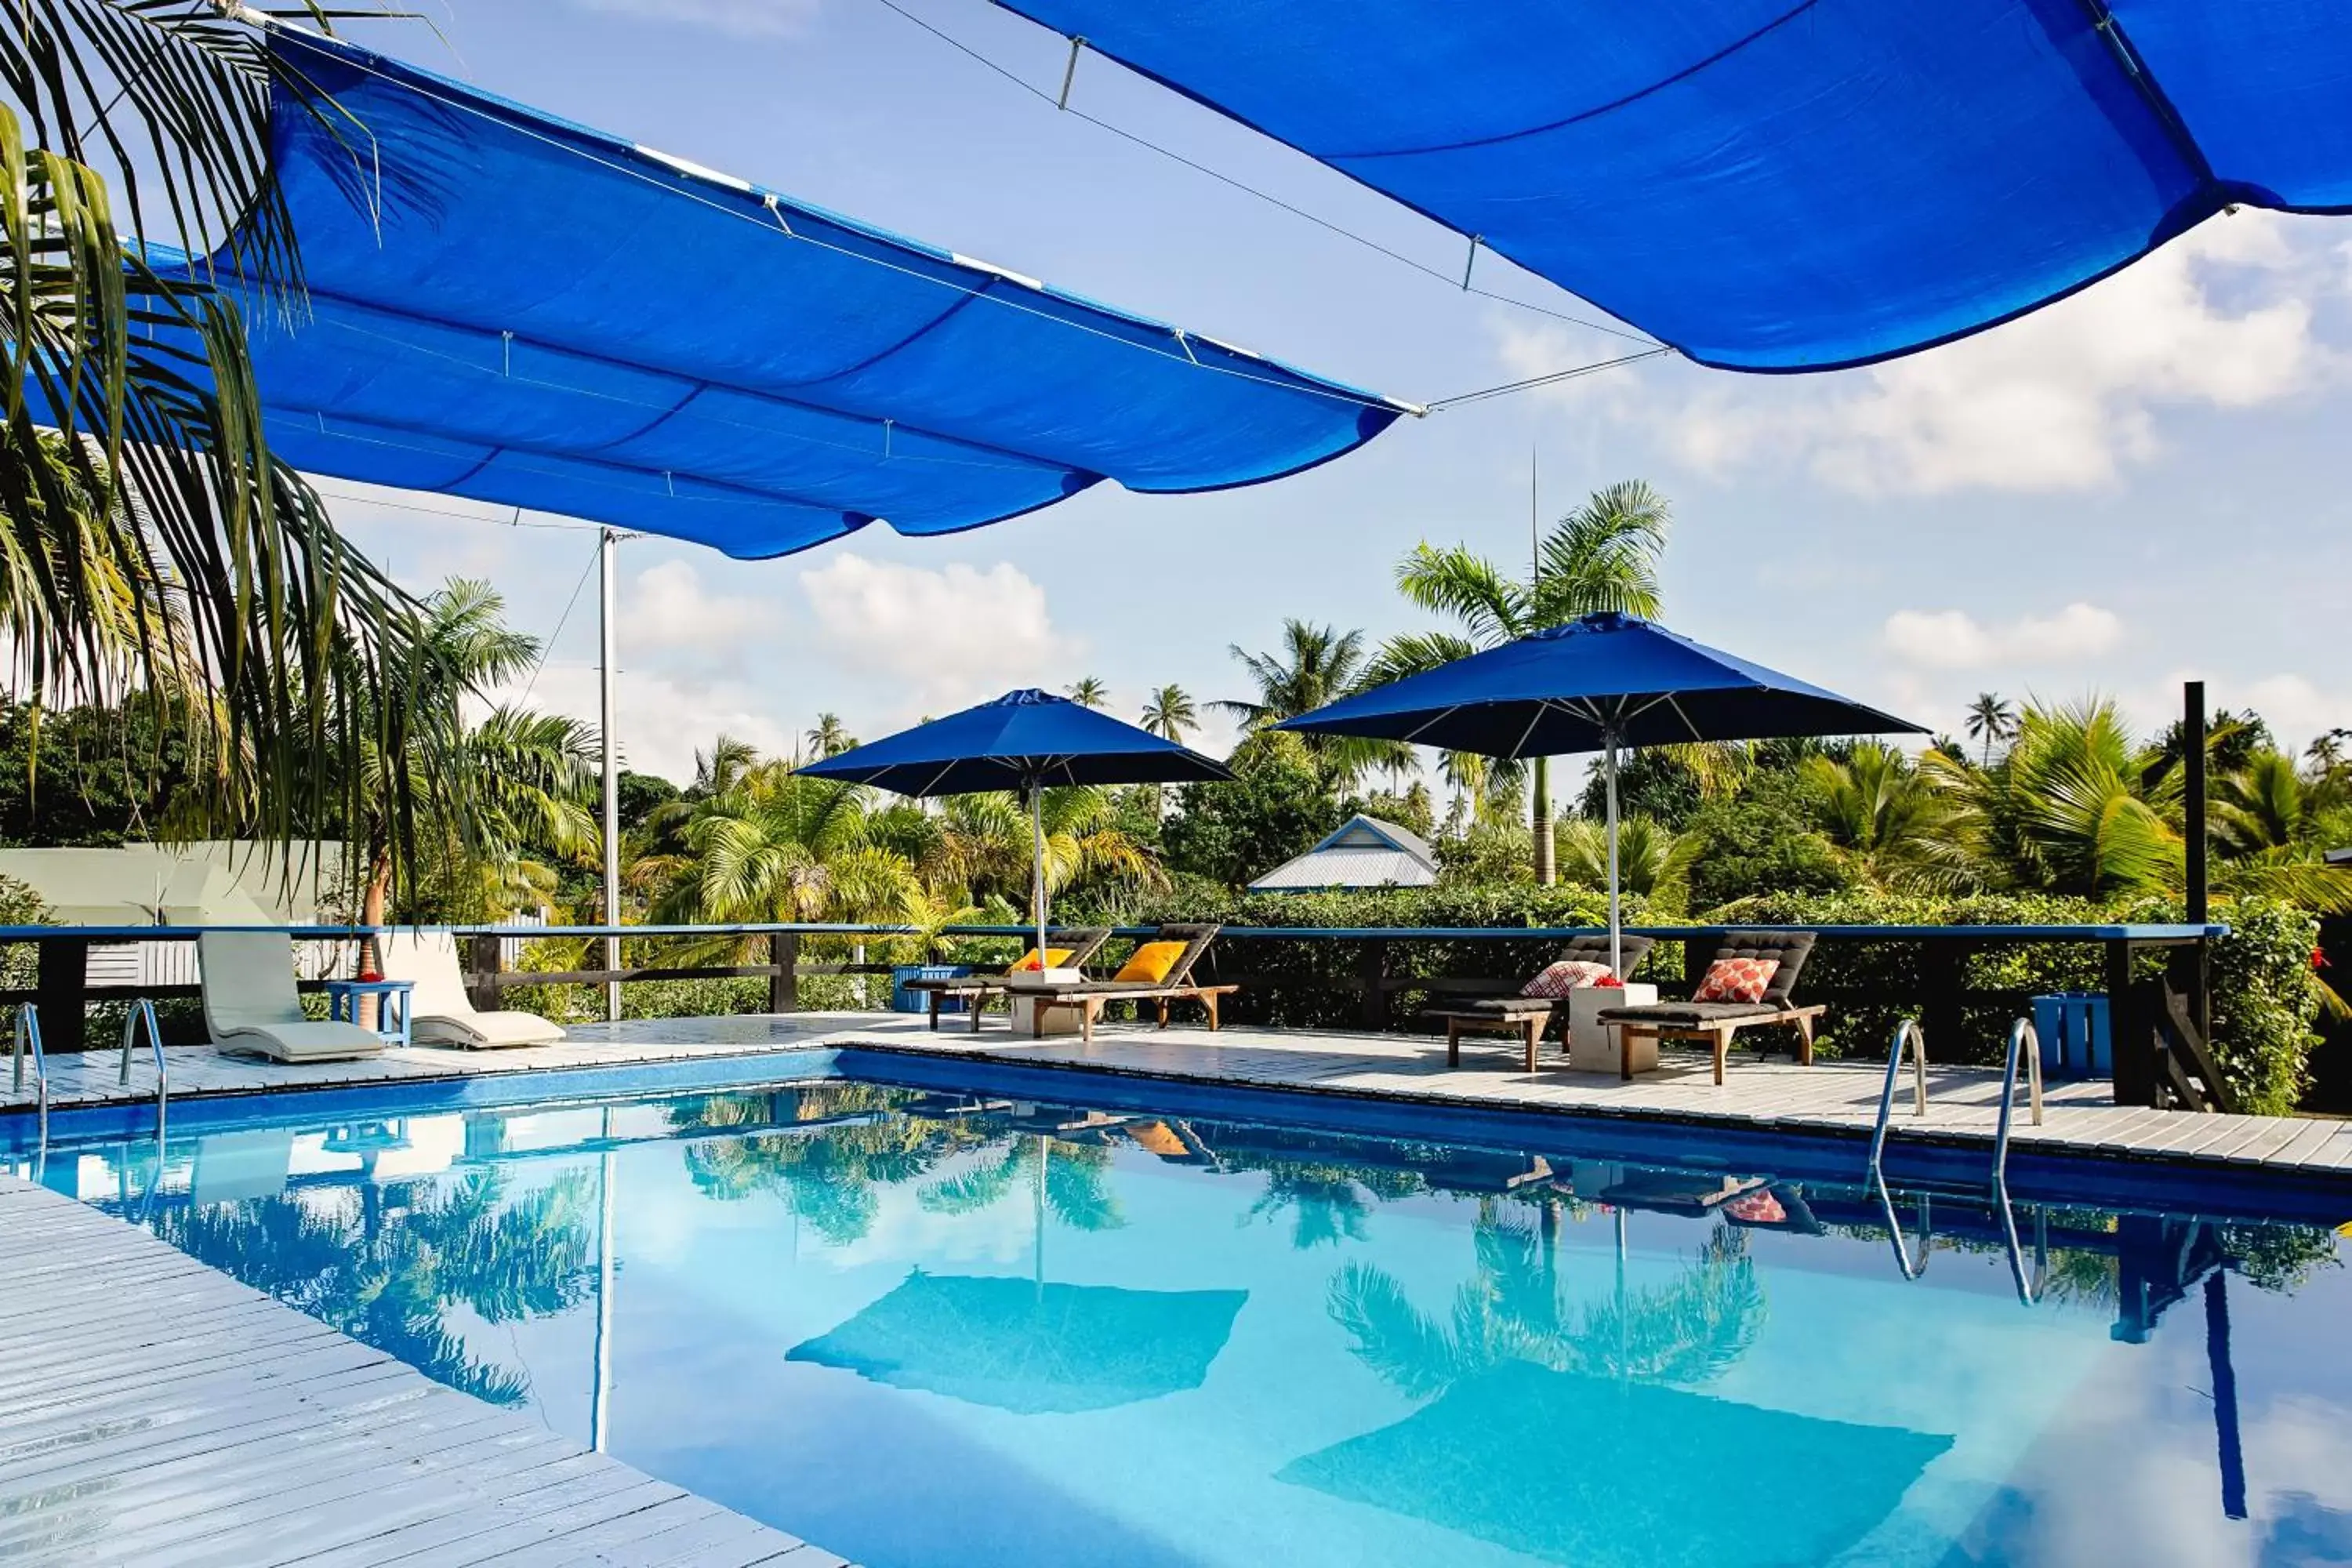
250, 1002
439, 1011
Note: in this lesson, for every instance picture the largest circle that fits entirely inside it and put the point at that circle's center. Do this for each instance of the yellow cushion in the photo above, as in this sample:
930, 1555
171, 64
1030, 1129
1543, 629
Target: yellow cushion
1151, 962
1054, 958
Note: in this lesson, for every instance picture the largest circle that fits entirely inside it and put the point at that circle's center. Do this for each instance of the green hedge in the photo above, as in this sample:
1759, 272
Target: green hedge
2264, 1002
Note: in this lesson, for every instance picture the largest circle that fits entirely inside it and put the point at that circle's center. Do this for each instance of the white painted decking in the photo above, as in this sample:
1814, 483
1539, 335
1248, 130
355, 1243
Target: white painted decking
155, 1412
1769, 1095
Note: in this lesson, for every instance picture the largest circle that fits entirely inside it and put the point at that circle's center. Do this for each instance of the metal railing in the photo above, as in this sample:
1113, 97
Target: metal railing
1907, 1032
2022, 1039
145, 1009
29, 1027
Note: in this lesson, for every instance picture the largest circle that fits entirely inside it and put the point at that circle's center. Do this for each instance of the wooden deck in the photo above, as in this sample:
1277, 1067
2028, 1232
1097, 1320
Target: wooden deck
154, 1411
1773, 1095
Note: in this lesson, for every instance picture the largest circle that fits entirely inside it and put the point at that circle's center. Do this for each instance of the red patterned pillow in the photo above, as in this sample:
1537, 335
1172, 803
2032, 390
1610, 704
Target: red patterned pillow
1737, 979
1566, 975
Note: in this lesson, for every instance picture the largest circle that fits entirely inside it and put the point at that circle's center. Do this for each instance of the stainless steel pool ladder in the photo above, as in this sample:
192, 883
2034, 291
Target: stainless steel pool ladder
2022, 1044
144, 1010
29, 1027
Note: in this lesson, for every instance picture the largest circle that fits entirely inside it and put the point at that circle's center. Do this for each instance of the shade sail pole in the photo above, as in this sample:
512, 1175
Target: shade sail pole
612, 816
1609, 782
1037, 862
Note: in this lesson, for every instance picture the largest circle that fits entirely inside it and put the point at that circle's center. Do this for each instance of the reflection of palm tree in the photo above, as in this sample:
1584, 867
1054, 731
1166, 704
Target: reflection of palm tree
1687, 1331
829, 1175
1073, 1186
1330, 1200
387, 1270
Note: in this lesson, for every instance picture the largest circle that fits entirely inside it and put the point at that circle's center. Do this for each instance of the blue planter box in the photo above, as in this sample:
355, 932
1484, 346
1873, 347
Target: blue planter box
2076, 1038
904, 1001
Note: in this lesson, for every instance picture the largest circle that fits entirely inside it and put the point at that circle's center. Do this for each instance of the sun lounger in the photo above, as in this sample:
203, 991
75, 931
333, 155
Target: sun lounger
1526, 1018
1078, 944
1714, 1023
1088, 998
440, 1012
250, 1002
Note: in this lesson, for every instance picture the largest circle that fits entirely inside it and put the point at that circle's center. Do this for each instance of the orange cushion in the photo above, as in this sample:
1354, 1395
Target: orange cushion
1151, 962
1737, 979
1054, 958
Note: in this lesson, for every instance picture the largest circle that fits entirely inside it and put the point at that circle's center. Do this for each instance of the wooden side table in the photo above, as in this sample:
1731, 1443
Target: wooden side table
392, 1009
1530, 1026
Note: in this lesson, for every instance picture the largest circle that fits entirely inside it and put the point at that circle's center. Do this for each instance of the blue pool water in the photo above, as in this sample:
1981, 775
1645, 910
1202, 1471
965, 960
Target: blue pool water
924, 1326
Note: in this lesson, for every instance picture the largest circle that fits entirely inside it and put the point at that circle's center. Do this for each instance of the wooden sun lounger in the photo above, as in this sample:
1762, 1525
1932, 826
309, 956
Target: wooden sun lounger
1715, 1023
974, 990
1088, 1000
1528, 1017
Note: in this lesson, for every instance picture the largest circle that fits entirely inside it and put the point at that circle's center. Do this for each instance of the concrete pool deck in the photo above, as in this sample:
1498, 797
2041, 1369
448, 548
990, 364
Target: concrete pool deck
1839, 1099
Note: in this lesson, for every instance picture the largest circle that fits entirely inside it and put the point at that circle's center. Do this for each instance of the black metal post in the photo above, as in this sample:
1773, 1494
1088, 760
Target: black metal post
784, 984
63, 985
2132, 1032
1371, 968
486, 955
2225, 1395
2192, 790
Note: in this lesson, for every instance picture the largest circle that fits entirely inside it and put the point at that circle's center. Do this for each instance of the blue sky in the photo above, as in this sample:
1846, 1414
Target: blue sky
2136, 485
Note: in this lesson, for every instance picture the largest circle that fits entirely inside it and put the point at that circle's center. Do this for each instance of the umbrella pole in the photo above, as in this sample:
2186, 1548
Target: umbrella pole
1037, 864
1609, 782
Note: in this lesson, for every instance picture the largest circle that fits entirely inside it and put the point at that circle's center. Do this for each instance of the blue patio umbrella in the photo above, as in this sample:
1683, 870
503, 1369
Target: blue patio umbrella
1595, 685
1021, 741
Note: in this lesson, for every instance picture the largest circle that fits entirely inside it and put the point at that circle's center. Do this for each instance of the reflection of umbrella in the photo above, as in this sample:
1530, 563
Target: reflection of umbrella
1023, 741
1030, 1349
1594, 685
1601, 1474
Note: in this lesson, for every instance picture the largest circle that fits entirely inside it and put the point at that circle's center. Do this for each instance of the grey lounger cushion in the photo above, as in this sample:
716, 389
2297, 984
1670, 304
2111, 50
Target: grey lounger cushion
1671, 1013
440, 1012
250, 1002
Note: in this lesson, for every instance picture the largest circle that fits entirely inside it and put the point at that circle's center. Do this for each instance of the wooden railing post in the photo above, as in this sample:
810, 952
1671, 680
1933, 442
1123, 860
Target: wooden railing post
486, 955
64, 986
1939, 1005
784, 984
1371, 969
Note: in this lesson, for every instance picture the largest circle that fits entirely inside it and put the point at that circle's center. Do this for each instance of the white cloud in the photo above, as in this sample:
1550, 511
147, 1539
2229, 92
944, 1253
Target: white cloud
1953, 639
661, 721
951, 637
740, 18
2067, 398
667, 607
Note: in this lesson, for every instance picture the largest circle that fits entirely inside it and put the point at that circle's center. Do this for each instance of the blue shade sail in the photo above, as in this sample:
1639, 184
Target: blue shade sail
506, 306
1016, 741
1569, 689
1784, 184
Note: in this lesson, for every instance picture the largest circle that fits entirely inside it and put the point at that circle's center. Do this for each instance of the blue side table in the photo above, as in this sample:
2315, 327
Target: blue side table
392, 1012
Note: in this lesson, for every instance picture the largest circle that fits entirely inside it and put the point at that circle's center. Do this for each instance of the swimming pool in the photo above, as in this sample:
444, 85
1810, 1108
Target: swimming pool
935, 1324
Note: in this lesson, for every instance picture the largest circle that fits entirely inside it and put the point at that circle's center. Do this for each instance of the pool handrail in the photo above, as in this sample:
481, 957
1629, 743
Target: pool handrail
29, 1027
1907, 1032
144, 1008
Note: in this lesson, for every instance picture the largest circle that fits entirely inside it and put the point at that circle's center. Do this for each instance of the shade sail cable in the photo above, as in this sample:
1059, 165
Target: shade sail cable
1246, 188
1533, 382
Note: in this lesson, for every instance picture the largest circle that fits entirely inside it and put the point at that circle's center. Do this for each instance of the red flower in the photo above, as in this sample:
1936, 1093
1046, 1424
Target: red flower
2319, 960
1610, 979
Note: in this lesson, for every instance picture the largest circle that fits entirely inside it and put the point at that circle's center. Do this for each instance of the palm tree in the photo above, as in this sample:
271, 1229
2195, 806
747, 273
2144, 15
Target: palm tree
1090, 692
1653, 861
1169, 713
1990, 719
482, 791
829, 739
1887, 820
151, 534
2076, 806
1602, 556
1315, 666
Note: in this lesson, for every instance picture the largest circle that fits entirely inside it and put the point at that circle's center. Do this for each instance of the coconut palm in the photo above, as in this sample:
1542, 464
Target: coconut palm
1653, 861
1602, 556
486, 792
987, 843
1170, 714
1889, 823
1090, 692
829, 738
1991, 719
2071, 807
151, 534
1315, 666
